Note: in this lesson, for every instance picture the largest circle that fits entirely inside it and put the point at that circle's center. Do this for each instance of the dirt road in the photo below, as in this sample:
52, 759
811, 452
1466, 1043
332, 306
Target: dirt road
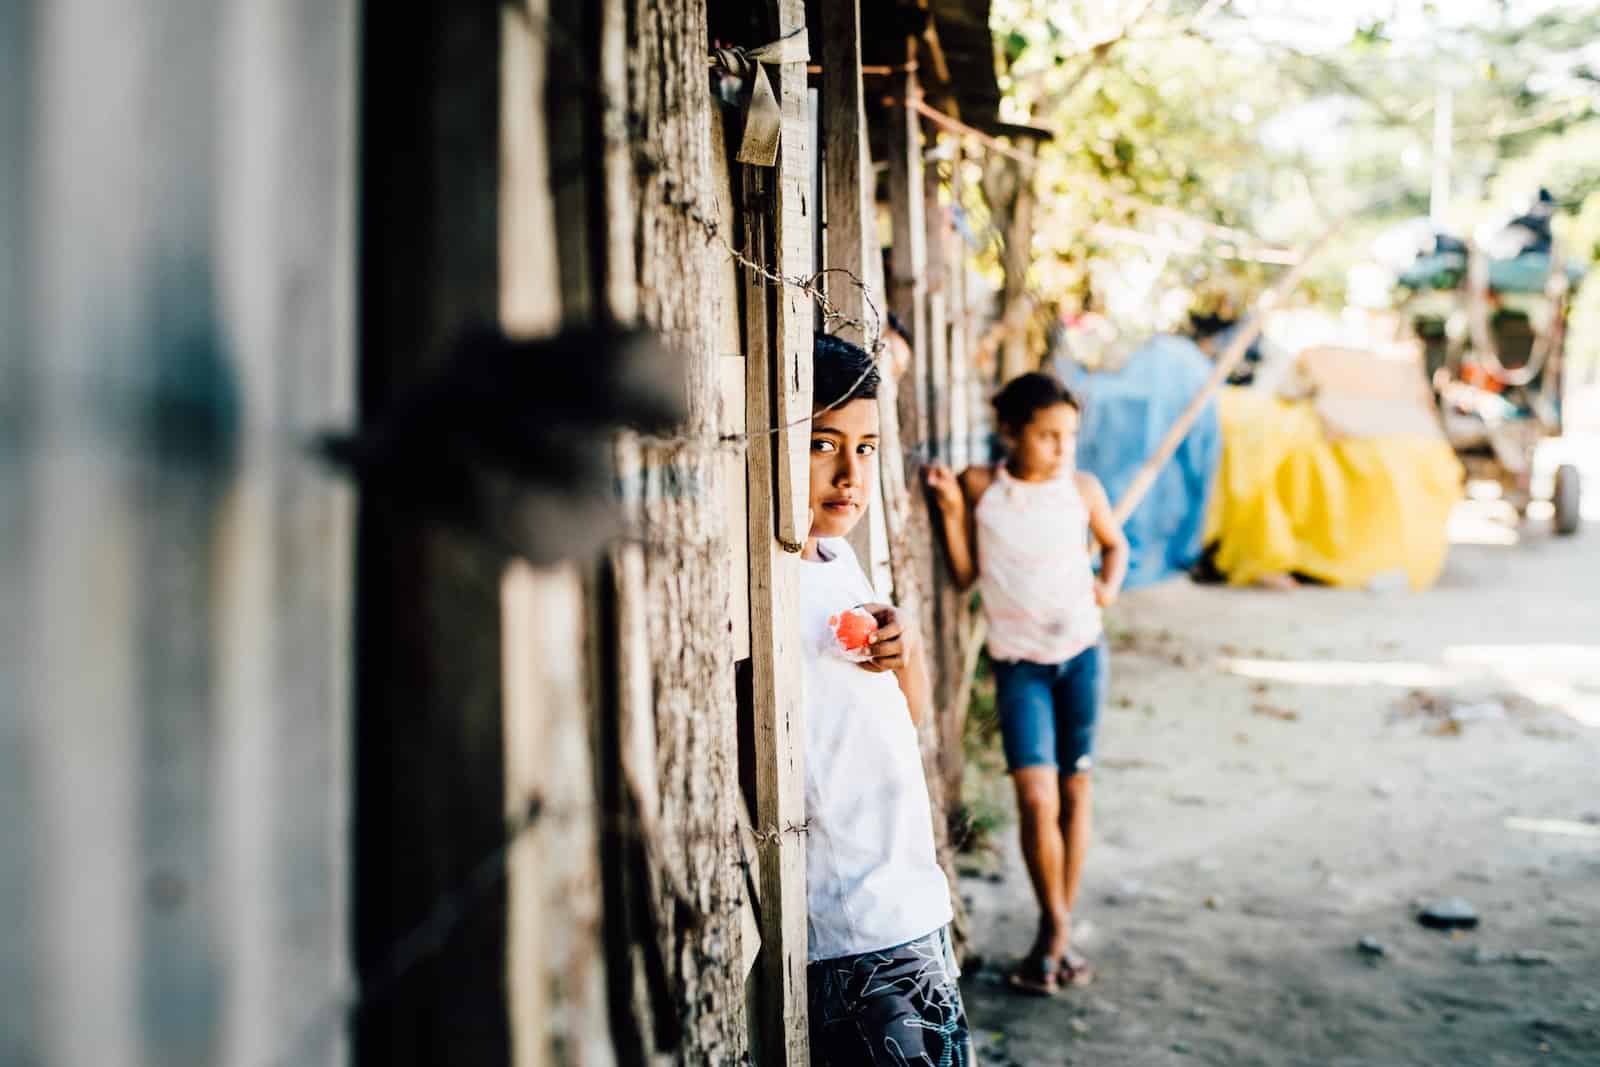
1285, 774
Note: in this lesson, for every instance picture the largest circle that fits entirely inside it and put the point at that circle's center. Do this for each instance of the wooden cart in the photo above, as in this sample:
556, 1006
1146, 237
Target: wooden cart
1493, 336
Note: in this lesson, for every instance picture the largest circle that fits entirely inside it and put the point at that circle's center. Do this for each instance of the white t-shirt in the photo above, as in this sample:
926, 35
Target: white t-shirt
872, 878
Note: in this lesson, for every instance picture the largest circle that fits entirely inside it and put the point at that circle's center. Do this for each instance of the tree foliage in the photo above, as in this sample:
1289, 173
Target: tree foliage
1281, 120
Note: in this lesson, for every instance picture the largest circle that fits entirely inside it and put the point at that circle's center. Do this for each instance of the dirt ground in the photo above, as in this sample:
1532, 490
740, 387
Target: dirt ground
1284, 774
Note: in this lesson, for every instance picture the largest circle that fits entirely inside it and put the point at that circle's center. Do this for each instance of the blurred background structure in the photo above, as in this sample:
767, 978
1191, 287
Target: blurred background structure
177, 293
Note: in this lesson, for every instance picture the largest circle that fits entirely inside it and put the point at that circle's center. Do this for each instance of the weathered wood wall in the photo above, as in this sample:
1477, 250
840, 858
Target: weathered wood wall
683, 581
663, 630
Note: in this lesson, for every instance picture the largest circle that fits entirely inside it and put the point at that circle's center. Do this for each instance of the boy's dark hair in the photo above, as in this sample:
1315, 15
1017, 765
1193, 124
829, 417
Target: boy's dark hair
1025, 394
840, 372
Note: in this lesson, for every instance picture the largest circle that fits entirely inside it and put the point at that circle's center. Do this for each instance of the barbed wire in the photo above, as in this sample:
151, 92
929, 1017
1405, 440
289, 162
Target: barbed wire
810, 285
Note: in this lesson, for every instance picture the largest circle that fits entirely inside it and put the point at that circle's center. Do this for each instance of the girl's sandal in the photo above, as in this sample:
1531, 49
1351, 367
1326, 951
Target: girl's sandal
1035, 975
1075, 972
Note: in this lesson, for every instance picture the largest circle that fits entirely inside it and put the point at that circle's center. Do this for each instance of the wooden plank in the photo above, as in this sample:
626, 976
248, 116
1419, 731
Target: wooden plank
935, 328
849, 243
908, 260
949, 613
736, 507
775, 664
778, 234
731, 384
849, 237
780, 779
795, 258
676, 683
905, 402
958, 300
876, 562
555, 975
903, 429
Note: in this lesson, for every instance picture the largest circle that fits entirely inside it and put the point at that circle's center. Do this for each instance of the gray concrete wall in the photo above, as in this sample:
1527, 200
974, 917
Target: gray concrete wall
176, 276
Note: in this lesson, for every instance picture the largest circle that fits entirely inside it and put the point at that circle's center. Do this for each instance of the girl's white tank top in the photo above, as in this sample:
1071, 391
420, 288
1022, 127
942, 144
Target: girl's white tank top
1034, 571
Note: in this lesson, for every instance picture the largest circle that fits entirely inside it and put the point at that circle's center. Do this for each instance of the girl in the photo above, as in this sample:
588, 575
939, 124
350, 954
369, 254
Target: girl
1020, 529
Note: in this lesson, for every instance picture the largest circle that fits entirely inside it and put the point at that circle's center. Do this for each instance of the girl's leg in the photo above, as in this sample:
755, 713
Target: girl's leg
1076, 798
1044, 851
1077, 703
1027, 723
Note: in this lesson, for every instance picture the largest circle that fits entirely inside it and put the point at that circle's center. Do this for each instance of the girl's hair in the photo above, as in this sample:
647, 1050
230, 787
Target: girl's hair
1016, 403
840, 372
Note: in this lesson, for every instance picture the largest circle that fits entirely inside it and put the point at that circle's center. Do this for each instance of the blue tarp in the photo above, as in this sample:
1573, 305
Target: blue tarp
1125, 415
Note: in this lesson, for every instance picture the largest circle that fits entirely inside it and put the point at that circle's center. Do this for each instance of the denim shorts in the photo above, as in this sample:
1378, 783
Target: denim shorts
1048, 711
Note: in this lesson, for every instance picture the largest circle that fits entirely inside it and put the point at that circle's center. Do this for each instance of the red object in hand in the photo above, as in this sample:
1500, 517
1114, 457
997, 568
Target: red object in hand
854, 629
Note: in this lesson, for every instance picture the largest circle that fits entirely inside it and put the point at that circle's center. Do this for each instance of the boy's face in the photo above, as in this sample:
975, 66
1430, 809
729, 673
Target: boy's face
844, 460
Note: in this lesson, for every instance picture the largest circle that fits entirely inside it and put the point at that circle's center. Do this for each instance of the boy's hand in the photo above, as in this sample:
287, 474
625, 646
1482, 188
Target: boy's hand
946, 488
1104, 594
889, 645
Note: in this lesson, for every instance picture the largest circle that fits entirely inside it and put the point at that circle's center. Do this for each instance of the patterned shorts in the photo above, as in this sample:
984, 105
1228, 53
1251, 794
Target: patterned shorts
898, 1007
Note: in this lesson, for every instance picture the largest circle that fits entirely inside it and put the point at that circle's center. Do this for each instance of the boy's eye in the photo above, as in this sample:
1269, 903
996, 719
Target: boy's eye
866, 449
821, 444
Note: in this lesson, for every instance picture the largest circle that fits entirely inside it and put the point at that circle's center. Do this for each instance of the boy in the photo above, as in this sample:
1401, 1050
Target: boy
882, 975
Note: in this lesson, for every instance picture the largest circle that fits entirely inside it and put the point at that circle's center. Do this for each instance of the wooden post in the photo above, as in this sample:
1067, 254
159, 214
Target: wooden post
958, 301
935, 327
908, 261
850, 244
671, 594
948, 615
778, 325
903, 429
555, 983
791, 395
963, 453
776, 689
904, 404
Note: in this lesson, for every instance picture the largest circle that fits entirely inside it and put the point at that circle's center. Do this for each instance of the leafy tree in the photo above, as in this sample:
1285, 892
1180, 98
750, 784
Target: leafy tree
1176, 122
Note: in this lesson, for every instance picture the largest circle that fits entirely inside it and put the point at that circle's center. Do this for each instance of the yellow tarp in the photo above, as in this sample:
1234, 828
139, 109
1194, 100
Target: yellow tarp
1289, 499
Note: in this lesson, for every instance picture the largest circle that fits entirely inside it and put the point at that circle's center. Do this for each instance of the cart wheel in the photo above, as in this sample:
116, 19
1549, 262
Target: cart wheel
1566, 499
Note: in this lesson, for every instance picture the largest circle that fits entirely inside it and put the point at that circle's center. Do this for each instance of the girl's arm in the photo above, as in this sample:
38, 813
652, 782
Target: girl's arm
1108, 532
957, 501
